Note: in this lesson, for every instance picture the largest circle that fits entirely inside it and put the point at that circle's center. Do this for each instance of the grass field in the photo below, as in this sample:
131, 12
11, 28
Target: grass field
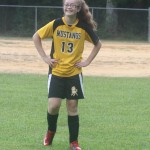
115, 114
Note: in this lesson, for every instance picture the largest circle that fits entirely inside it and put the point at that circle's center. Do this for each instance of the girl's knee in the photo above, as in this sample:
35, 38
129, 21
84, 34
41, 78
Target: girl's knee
54, 106
72, 107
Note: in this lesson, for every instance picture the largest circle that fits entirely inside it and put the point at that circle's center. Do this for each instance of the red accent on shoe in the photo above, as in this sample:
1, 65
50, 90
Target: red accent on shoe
48, 138
74, 145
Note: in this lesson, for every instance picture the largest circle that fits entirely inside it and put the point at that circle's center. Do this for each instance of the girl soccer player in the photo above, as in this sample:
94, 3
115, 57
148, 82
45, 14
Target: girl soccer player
65, 64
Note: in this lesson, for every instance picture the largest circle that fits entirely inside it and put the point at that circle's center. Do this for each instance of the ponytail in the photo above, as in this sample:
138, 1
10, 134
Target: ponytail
85, 15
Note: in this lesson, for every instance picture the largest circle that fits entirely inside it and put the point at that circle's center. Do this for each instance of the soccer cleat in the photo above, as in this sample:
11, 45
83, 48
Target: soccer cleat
48, 138
74, 146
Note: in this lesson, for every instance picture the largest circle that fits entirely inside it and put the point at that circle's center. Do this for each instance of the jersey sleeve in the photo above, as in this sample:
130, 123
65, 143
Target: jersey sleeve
91, 36
46, 31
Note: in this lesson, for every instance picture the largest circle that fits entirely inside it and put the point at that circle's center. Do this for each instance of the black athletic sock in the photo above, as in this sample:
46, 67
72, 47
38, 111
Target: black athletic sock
52, 122
73, 124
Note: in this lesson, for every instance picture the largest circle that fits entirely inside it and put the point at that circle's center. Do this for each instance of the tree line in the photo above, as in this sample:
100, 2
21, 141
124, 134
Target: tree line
112, 23
94, 3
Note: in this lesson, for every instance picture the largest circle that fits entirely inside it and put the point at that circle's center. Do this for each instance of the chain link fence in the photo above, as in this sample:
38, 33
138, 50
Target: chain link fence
113, 23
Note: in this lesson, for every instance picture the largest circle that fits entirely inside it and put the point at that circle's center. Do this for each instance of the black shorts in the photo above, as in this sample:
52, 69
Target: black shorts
65, 87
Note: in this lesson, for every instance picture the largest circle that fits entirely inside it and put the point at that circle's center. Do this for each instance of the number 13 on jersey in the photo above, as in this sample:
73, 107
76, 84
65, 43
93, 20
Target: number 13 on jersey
69, 47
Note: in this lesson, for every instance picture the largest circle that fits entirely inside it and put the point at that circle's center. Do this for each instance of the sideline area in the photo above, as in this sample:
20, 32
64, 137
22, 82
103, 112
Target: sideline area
116, 59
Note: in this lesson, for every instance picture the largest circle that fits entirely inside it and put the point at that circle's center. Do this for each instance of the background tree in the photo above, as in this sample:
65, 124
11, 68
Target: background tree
94, 3
111, 17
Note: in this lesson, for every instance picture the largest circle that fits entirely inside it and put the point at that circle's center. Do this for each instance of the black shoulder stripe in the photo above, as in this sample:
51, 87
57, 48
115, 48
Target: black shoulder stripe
91, 33
57, 23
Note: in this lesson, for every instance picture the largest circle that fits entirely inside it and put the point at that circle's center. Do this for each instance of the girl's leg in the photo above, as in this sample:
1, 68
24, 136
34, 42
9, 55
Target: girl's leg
54, 105
52, 116
73, 120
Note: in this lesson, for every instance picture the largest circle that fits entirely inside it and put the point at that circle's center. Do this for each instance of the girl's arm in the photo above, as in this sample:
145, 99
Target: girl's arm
92, 55
39, 48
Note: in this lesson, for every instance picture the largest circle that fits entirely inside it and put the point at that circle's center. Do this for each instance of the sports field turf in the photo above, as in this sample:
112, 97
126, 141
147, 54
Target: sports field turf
115, 114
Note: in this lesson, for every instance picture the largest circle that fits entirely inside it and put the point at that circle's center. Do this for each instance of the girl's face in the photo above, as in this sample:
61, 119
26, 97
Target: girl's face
71, 7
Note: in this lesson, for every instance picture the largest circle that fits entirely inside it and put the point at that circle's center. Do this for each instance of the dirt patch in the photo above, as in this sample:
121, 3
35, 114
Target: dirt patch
116, 59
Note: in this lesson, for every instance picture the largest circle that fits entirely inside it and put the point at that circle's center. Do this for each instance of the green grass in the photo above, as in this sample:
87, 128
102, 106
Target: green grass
115, 114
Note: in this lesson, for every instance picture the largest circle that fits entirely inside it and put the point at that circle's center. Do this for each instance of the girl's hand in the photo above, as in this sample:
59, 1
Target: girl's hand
90, 58
82, 64
51, 62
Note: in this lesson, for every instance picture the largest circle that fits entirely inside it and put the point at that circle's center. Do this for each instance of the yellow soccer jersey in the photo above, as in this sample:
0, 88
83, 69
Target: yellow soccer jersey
67, 44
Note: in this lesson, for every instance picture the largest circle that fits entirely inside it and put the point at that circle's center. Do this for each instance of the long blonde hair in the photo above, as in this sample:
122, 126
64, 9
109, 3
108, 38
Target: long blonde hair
85, 15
